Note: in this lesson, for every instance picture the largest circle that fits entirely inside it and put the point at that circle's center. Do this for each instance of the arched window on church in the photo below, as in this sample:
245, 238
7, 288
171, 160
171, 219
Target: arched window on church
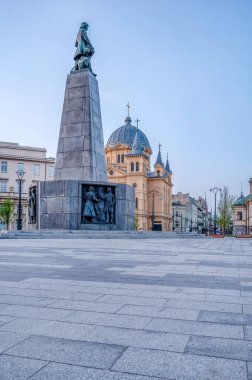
136, 203
158, 173
118, 158
137, 166
132, 166
122, 158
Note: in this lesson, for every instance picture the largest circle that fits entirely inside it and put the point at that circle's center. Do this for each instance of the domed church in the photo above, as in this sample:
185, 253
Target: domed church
128, 154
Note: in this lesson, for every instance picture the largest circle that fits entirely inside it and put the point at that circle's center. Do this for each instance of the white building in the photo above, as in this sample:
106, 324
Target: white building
190, 214
33, 162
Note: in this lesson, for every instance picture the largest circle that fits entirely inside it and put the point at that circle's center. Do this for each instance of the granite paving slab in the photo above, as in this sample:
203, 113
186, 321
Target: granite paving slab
10, 339
195, 328
151, 311
68, 351
57, 371
102, 307
249, 366
150, 301
22, 300
74, 331
211, 306
171, 365
138, 338
106, 319
229, 318
5, 319
35, 312
219, 347
13, 368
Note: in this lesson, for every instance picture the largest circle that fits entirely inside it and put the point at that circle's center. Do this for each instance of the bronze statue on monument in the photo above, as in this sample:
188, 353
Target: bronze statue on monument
84, 49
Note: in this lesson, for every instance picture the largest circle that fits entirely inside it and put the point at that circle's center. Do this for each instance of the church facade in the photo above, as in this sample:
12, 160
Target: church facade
128, 153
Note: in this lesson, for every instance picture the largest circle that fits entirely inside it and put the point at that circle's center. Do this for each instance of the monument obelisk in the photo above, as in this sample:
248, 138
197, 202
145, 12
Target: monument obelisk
80, 153
80, 197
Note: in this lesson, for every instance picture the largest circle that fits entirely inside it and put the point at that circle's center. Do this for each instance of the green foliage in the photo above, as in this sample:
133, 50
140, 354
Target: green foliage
6, 211
224, 219
136, 223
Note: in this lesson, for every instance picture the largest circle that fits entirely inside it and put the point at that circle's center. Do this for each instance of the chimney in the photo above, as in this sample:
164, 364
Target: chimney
250, 185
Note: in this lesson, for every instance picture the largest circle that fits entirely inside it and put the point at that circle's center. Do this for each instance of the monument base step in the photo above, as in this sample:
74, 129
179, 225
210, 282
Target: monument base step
81, 234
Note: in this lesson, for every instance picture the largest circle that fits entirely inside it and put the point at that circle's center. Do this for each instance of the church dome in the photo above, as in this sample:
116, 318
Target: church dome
126, 134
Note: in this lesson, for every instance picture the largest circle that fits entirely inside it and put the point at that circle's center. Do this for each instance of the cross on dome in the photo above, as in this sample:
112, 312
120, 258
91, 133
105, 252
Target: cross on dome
128, 106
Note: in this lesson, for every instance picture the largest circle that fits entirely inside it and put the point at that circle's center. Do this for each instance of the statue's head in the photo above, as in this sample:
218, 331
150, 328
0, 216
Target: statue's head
91, 188
109, 189
84, 25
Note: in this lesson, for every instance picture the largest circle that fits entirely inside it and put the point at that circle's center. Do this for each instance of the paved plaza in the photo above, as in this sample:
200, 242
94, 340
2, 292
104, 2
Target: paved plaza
126, 309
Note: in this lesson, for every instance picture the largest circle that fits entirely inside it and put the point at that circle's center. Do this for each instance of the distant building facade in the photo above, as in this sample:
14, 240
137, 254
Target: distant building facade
33, 162
128, 154
242, 213
189, 214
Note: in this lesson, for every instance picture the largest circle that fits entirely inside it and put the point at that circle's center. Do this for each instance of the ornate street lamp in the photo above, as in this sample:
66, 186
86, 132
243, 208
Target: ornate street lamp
173, 220
215, 191
153, 192
20, 174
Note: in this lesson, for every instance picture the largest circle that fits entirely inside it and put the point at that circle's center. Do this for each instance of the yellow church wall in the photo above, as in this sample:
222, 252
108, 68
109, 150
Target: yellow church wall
143, 183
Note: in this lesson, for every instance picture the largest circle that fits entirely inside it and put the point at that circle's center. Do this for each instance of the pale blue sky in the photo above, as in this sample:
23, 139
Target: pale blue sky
184, 66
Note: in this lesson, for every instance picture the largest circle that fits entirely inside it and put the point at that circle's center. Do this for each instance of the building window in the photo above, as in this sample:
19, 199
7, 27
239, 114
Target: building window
176, 214
4, 166
158, 173
36, 169
122, 158
132, 166
137, 166
51, 171
118, 158
239, 215
134, 185
136, 203
20, 166
3, 186
177, 223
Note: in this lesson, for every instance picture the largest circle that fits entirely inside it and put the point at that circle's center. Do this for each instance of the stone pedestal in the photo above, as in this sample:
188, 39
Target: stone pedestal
80, 154
79, 196
61, 206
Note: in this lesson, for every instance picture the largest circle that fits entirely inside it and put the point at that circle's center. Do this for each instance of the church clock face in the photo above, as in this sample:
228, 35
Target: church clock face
111, 172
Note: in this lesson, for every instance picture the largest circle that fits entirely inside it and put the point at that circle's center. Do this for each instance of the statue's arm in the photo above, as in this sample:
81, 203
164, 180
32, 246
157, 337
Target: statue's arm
76, 43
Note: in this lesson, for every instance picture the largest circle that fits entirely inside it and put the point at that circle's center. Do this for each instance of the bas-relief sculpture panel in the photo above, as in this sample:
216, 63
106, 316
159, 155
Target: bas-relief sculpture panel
98, 204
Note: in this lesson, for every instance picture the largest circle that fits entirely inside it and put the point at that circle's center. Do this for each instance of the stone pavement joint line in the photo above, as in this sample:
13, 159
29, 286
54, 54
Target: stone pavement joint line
177, 309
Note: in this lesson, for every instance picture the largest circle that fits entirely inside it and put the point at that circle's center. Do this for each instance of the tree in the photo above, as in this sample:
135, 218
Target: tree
6, 211
136, 223
225, 211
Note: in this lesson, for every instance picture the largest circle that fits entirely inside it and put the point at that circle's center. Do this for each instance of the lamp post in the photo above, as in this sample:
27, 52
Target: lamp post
173, 221
181, 224
153, 192
215, 190
20, 174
